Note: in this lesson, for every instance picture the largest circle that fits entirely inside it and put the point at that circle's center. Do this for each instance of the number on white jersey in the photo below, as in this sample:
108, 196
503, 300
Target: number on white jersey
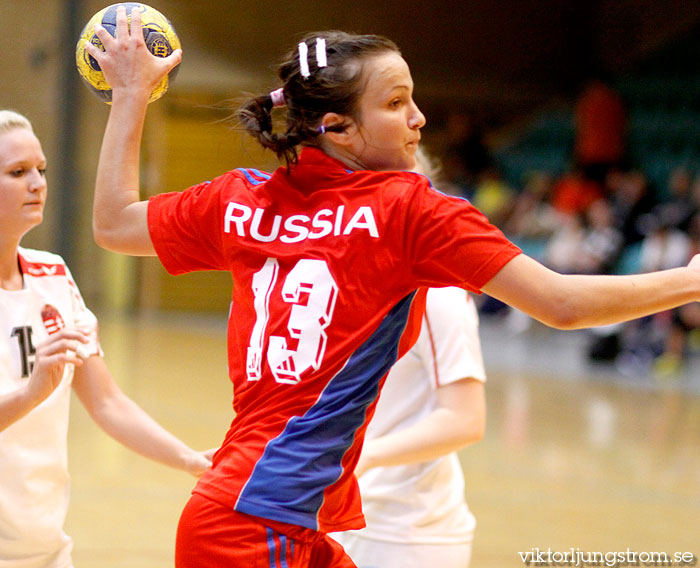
26, 348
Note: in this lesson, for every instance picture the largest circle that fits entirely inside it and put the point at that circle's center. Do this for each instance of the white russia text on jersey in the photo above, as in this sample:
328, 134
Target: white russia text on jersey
296, 228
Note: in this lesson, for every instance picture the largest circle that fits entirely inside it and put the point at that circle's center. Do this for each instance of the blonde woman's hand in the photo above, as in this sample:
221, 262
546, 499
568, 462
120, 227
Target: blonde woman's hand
197, 463
51, 358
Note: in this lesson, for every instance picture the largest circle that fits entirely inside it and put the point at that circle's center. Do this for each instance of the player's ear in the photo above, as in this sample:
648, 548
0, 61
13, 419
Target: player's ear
329, 128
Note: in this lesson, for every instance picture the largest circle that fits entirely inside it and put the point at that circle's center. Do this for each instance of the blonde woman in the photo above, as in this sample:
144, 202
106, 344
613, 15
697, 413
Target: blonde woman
50, 346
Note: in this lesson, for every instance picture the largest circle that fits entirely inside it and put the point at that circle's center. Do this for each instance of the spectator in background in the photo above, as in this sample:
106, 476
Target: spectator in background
680, 205
532, 219
565, 244
573, 193
585, 243
684, 324
601, 130
655, 235
685, 321
600, 251
493, 196
666, 245
644, 340
631, 199
602, 241
467, 156
673, 236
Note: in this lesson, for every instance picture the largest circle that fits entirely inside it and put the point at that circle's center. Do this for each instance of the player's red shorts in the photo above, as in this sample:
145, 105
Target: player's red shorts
211, 535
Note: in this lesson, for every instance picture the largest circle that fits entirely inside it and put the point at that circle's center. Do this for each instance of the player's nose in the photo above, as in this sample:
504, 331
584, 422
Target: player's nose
416, 118
37, 181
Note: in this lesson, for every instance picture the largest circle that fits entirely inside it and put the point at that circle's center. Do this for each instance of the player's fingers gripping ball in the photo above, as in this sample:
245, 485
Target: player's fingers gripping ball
158, 33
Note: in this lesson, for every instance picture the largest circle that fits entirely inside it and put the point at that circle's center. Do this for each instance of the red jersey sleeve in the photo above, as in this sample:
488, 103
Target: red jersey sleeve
451, 242
185, 228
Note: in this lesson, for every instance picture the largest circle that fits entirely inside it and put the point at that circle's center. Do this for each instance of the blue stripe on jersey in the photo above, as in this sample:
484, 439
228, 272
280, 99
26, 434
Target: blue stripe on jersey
258, 173
253, 176
289, 480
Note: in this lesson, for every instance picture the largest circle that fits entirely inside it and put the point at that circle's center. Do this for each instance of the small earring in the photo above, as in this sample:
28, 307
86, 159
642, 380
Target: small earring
322, 129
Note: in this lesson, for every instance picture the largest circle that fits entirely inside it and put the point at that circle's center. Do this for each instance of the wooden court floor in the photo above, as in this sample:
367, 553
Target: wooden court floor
584, 465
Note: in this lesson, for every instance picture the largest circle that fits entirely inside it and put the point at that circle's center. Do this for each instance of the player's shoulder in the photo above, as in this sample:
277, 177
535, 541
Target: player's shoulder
40, 256
251, 176
41, 263
410, 178
239, 177
402, 185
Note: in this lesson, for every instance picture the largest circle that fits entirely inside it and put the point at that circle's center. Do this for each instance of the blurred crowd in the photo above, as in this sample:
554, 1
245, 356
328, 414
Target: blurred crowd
599, 217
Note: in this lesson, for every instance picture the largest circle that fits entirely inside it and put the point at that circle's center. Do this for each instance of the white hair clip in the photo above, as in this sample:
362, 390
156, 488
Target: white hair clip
304, 60
321, 59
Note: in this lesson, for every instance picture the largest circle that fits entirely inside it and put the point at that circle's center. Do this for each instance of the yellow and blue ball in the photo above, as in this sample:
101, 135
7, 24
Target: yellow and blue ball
158, 33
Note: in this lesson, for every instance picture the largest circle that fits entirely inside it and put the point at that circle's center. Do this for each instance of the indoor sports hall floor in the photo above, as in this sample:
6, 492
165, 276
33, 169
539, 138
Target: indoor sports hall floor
574, 457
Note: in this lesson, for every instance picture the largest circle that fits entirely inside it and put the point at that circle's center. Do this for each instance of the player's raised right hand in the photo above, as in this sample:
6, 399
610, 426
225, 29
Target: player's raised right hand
128, 66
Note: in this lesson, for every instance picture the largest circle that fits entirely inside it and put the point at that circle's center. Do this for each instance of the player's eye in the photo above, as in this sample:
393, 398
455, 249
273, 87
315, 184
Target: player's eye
42, 172
17, 173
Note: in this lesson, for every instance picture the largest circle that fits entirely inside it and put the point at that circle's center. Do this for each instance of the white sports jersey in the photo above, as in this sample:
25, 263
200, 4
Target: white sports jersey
424, 503
34, 481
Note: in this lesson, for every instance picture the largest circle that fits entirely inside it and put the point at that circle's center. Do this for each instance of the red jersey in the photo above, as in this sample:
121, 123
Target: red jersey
326, 265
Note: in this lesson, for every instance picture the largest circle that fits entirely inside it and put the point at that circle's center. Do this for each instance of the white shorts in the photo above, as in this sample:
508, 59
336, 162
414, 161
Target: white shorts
369, 553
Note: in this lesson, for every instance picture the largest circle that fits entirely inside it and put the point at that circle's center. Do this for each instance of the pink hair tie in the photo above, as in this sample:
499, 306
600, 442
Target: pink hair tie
277, 97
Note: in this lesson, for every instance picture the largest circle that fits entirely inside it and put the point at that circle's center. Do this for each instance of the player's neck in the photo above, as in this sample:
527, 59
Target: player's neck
352, 162
10, 273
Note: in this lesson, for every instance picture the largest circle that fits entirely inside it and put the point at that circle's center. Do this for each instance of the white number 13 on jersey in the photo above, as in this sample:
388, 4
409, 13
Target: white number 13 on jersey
307, 320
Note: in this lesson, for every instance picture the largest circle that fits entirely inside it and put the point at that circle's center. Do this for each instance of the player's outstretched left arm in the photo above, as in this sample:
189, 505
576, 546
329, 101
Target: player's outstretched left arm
127, 423
119, 215
573, 301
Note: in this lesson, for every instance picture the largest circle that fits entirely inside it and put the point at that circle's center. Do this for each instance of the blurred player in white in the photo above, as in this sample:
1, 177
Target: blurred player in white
432, 405
49, 344
411, 481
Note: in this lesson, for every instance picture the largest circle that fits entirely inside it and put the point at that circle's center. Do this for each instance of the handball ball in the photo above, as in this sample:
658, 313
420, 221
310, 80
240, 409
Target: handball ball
158, 33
